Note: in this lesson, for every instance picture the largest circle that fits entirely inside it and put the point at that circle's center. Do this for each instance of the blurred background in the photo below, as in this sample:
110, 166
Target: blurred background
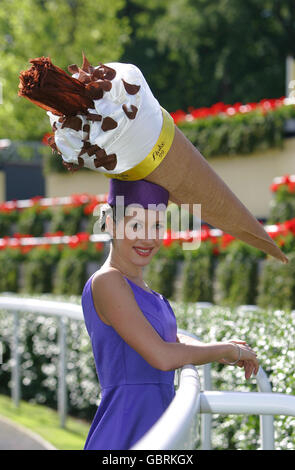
225, 71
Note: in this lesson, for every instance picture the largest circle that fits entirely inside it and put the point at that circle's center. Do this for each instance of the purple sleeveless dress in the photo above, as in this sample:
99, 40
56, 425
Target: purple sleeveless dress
133, 393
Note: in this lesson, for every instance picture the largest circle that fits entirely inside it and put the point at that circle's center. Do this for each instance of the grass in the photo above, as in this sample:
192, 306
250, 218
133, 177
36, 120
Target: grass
45, 422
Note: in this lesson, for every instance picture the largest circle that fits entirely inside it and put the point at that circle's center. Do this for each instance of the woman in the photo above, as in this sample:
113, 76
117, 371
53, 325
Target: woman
133, 329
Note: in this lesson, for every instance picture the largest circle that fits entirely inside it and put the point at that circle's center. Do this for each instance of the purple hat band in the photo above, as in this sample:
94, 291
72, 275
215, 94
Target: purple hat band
140, 192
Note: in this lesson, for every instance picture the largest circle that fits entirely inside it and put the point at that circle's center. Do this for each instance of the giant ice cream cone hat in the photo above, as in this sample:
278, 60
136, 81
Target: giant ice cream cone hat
106, 119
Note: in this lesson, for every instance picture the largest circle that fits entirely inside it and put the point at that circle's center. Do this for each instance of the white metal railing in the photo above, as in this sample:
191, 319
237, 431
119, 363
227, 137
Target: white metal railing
189, 401
177, 427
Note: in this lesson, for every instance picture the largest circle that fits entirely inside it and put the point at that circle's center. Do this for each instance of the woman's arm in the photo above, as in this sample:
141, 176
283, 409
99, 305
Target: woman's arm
248, 361
186, 339
115, 301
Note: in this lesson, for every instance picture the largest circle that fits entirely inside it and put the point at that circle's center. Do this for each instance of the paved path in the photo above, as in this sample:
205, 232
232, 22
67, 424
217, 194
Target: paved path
16, 437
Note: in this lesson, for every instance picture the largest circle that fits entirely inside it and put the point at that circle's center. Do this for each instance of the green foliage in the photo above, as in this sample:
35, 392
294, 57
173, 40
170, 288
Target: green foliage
161, 271
9, 270
6, 221
236, 275
238, 134
67, 219
282, 206
276, 287
70, 274
281, 211
39, 269
31, 220
71, 271
196, 53
198, 274
60, 29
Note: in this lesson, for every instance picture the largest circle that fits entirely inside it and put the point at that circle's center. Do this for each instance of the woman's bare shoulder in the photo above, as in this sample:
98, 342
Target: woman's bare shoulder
107, 284
108, 273
109, 277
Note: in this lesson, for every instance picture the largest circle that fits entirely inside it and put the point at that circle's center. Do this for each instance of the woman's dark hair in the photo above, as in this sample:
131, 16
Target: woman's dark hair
108, 209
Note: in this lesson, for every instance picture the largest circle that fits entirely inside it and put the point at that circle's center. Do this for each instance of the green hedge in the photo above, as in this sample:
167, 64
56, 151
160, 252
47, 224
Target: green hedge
236, 275
282, 206
276, 286
242, 133
9, 270
38, 269
67, 219
71, 272
198, 272
161, 272
240, 274
47, 270
269, 332
31, 220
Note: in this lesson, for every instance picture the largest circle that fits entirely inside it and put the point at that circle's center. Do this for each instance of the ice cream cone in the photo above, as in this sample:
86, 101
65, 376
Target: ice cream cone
106, 119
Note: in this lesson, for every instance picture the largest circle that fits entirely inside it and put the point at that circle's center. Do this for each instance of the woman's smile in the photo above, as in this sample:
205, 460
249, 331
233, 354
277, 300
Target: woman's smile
143, 251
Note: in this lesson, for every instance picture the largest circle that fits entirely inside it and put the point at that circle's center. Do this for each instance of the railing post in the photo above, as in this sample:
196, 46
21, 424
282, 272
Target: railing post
62, 389
15, 369
266, 421
206, 418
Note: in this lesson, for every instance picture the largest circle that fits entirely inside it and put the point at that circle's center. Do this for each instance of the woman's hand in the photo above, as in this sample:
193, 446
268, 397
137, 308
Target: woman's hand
248, 358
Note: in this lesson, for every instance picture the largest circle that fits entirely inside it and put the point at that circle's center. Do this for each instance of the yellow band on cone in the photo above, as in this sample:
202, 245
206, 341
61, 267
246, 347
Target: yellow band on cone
156, 155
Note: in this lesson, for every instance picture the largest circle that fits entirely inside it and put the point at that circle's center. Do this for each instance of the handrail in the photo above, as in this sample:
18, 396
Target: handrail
247, 403
47, 307
182, 410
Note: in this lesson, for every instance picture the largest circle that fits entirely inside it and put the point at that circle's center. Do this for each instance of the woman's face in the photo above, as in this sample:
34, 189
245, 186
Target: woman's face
138, 237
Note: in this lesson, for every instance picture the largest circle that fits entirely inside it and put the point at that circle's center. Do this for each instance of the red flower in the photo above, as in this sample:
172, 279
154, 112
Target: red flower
35, 199
46, 137
290, 225
178, 116
26, 248
274, 187
73, 241
83, 236
226, 238
285, 179
167, 240
79, 199
205, 233
99, 246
